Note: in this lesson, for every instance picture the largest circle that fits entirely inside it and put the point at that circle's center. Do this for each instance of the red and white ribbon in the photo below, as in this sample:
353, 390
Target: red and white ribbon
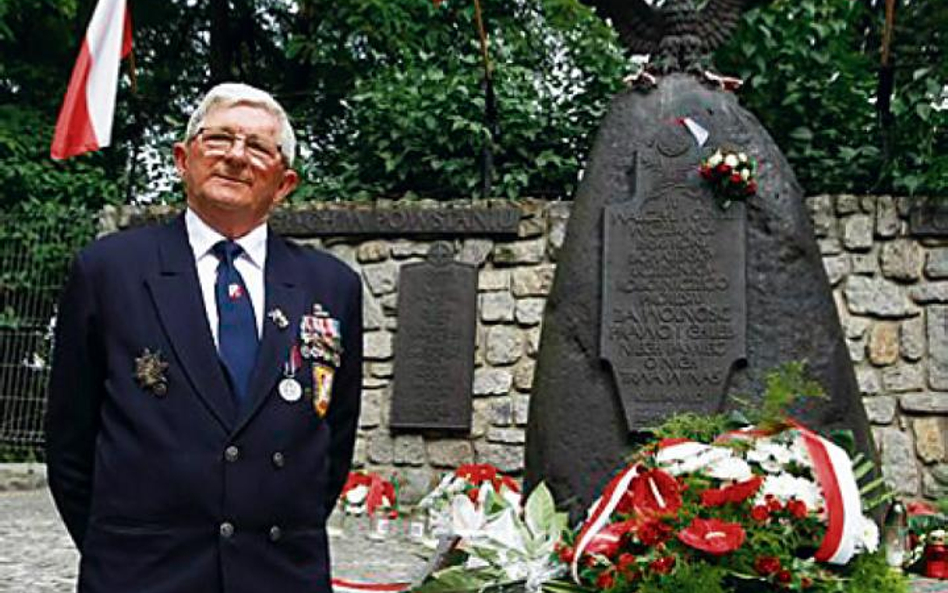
600, 513
834, 473
346, 586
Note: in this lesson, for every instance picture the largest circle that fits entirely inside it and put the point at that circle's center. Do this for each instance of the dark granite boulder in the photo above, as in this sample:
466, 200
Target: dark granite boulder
744, 288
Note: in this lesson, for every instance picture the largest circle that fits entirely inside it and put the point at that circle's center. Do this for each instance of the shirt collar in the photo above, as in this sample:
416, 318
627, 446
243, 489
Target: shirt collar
202, 238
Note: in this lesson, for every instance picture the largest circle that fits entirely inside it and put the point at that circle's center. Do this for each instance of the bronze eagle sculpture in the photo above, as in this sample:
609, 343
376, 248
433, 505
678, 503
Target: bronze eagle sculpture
677, 34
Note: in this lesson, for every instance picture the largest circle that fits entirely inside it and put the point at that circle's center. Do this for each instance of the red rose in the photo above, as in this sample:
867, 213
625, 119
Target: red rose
655, 492
653, 532
797, 508
722, 168
605, 580
735, 177
767, 565
712, 536
663, 565
760, 513
751, 188
784, 576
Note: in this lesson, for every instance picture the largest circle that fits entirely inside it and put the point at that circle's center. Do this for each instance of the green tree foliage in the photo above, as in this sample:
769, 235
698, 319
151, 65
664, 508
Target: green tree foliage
811, 70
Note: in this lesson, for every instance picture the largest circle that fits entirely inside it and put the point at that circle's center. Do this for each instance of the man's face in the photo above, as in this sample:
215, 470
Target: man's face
233, 188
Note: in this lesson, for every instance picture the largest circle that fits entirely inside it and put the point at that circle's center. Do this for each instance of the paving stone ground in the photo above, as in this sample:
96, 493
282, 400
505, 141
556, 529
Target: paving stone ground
37, 556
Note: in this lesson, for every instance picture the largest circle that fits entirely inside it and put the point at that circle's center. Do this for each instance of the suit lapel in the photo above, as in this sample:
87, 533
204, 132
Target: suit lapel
281, 293
176, 293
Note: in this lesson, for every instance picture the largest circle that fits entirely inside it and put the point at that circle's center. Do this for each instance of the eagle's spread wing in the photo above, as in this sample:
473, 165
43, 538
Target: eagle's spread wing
720, 18
640, 26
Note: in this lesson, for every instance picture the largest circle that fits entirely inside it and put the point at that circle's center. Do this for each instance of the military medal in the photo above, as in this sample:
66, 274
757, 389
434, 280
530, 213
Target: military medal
278, 317
150, 372
289, 388
322, 384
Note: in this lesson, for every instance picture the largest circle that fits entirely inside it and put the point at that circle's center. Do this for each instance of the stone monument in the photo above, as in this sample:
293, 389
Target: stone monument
665, 302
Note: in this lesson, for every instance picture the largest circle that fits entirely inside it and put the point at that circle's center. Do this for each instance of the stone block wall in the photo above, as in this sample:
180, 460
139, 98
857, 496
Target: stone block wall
891, 291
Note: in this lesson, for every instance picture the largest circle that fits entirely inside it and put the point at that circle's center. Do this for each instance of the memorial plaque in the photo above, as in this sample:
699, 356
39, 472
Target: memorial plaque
434, 344
403, 221
673, 314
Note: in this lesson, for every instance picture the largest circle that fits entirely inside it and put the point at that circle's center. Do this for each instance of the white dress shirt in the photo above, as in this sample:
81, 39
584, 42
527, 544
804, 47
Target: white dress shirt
250, 263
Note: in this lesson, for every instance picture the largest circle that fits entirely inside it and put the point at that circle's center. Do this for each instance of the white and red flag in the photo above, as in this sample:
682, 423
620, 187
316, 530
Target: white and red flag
85, 120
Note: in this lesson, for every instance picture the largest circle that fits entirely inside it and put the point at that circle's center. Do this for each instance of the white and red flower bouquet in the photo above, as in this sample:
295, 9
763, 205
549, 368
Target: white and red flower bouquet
731, 174
759, 509
474, 482
369, 493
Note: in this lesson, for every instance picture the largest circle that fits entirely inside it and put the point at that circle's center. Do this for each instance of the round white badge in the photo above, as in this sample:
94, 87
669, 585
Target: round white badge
290, 389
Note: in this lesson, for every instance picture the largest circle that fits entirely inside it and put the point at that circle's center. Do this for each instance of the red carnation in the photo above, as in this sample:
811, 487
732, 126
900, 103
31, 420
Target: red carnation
760, 513
712, 536
605, 580
653, 532
626, 565
767, 565
663, 565
773, 503
565, 553
655, 492
797, 508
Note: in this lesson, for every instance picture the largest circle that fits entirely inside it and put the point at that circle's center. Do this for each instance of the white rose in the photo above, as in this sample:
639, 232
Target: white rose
715, 159
745, 173
742, 157
730, 160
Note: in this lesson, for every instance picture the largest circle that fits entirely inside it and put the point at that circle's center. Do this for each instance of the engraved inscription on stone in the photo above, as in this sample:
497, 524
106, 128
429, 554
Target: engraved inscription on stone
673, 315
434, 344
404, 221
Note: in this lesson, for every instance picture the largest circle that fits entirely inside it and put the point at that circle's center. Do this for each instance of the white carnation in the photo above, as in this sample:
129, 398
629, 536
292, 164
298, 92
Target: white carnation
785, 487
730, 468
868, 534
357, 495
769, 455
688, 458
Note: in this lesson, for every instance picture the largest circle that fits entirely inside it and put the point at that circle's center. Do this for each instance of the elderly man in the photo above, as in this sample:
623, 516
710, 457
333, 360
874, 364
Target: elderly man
206, 380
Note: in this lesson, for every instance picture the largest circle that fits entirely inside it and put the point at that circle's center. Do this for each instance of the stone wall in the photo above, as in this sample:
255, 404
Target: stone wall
891, 291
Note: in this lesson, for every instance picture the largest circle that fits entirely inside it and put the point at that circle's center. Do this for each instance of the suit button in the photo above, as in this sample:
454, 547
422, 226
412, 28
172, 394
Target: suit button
227, 530
231, 453
275, 533
278, 459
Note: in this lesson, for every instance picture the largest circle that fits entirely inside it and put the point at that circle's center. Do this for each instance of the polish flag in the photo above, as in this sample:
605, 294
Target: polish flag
85, 120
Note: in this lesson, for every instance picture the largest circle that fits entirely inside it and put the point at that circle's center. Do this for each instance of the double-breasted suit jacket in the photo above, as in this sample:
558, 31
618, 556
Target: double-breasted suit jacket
172, 490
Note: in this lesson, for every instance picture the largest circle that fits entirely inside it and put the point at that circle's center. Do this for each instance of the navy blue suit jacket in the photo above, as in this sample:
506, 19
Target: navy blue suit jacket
177, 493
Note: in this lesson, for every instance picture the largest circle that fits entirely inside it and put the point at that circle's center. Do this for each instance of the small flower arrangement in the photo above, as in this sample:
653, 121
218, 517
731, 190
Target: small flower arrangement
928, 541
369, 493
473, 481
731, 176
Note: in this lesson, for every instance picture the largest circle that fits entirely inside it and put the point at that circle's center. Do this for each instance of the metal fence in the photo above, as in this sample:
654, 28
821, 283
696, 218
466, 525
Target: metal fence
35, 250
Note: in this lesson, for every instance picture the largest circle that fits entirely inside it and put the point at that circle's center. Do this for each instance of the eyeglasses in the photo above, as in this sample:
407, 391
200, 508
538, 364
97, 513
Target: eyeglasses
220, 141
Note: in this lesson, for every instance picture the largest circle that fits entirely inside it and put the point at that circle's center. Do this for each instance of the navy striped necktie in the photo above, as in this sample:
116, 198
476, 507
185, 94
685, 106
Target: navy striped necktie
237, 325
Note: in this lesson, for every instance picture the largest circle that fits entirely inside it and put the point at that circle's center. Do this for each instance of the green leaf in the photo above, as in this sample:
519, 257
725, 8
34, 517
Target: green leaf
803, 133
540, 510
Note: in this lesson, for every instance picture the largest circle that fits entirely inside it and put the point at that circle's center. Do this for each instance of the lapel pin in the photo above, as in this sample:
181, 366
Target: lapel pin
279, 318
150, 372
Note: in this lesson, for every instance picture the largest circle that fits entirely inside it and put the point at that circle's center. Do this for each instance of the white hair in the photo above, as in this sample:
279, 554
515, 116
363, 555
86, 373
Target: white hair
228, 94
